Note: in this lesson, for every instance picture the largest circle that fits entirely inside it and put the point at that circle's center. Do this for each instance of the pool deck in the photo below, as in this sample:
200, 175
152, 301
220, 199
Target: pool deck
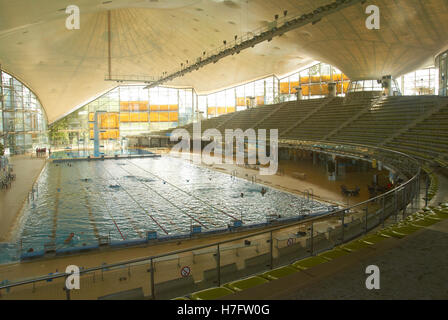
27, 171
323, 189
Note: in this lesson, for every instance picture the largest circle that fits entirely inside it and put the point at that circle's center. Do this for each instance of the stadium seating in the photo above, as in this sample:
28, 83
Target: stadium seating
416, 125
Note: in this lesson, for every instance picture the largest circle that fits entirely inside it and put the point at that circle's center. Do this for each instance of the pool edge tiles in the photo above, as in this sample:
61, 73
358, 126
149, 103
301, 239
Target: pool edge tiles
118, 157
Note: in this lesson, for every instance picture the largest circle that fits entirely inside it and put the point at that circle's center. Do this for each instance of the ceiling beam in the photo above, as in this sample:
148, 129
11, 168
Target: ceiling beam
245, 42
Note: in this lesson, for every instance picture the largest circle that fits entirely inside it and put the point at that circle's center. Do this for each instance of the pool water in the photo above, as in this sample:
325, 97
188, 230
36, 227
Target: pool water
70, 154
123, 199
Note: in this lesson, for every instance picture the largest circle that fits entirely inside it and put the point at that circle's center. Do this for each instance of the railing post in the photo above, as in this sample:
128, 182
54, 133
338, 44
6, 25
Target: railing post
153, 293
311, 240
67, 291
396, 205
367, 215
218, 262
342, 235
383, 211
272, 251
418, 189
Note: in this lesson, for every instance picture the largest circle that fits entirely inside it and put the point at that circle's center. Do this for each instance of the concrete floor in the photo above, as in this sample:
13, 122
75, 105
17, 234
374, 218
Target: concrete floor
27, 170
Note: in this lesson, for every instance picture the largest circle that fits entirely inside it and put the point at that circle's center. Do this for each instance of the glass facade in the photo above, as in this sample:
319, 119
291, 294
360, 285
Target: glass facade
314, 82
365, 85
442, 66
420, 82
132, 110
125, 111
251, 94
23, 122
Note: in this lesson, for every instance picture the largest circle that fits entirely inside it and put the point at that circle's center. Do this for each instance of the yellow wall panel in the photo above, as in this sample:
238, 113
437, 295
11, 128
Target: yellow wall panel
230, 109
293, 85
109, 120
240, 102
143, 106
154, 116
133, 105
284, 87
211, 110
143, 117
305, 90
155, 108
124, 117
221, 110
134, 117
164, 107
164, 117
174, 116
174, 107
337, 76
316, 90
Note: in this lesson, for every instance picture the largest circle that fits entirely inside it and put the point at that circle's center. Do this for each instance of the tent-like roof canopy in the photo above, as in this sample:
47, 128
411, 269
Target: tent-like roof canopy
66, 68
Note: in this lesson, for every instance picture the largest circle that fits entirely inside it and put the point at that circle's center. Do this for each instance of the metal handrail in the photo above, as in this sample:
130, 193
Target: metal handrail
268, 230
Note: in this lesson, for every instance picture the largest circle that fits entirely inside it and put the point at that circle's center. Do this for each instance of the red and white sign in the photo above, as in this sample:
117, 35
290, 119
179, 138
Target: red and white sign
290, 242
185, 271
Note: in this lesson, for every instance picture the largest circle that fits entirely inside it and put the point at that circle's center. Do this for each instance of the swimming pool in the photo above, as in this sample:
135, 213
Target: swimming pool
124, 198
69, 154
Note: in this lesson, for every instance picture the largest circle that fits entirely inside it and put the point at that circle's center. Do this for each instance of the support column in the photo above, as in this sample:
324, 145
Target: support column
387, 86
331, 169
331, 89
299, 94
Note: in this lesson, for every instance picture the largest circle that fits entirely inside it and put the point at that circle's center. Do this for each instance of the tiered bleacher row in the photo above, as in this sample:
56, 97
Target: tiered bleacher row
416, 125
413, 223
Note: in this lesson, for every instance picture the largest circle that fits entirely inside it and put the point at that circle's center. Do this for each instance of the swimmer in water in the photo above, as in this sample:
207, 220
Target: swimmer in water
242, 195
69, 238
263, 191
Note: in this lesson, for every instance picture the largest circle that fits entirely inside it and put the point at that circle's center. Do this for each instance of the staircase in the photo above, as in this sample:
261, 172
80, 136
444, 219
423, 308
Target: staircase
355, 117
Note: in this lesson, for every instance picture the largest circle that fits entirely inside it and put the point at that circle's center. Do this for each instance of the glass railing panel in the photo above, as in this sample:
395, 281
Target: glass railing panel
182, 273
289, 244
